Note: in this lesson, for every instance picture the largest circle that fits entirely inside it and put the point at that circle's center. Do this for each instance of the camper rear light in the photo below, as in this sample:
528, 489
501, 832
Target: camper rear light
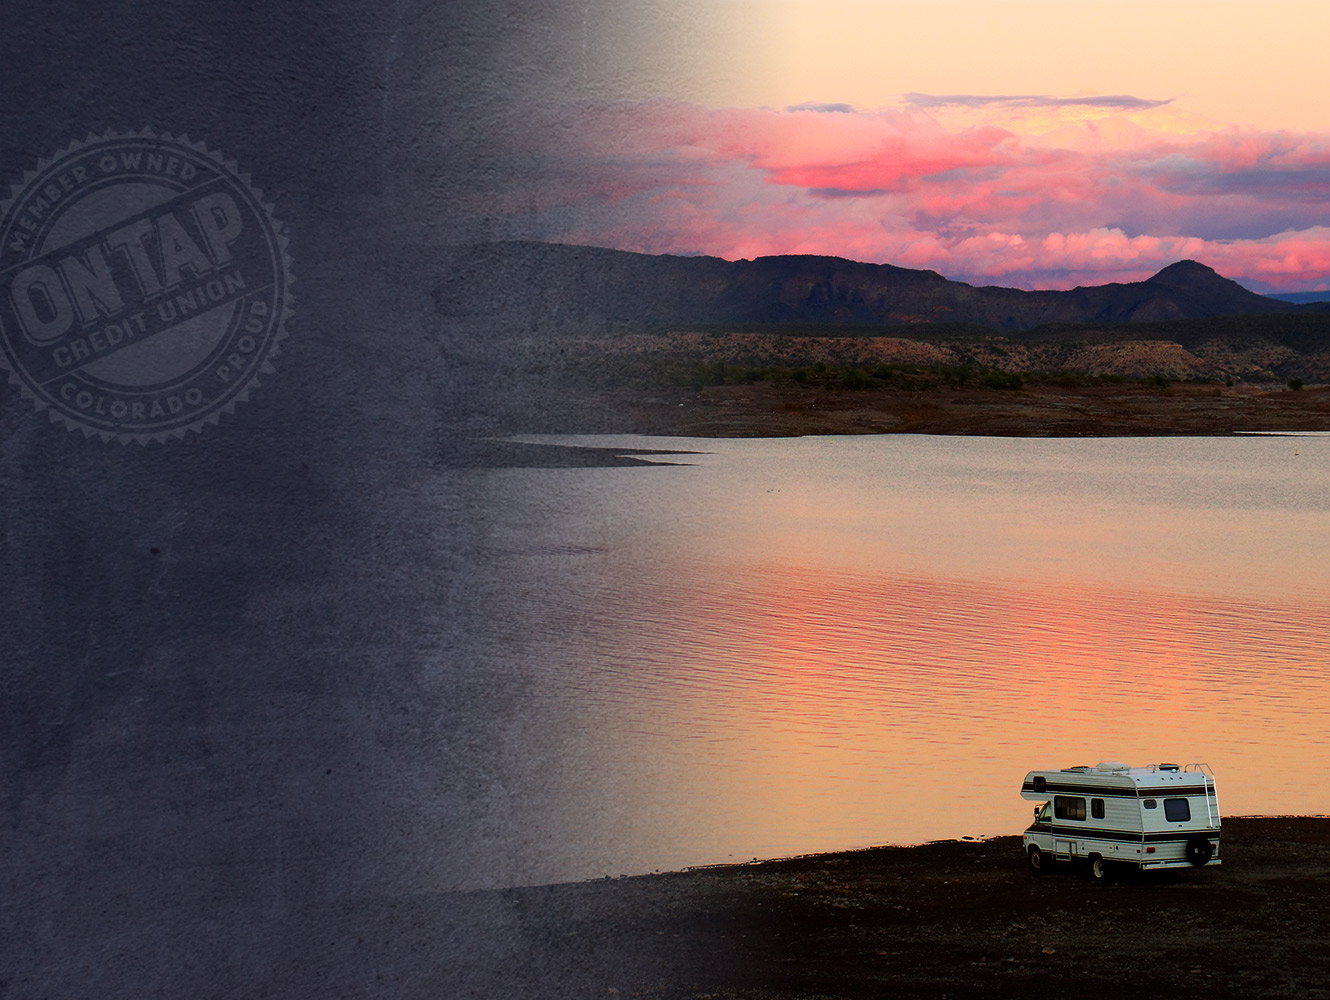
1149, 850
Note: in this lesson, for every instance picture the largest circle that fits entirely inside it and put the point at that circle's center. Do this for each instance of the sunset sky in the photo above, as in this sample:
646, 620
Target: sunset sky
1019, 142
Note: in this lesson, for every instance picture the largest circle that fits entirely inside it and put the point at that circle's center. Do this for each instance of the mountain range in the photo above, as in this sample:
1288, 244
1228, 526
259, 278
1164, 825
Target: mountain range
558, 288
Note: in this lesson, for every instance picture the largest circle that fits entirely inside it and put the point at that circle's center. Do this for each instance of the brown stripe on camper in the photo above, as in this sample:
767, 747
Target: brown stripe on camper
1138, 792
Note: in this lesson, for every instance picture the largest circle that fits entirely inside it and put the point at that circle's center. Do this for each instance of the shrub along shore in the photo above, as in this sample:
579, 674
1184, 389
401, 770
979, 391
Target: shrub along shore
735, 403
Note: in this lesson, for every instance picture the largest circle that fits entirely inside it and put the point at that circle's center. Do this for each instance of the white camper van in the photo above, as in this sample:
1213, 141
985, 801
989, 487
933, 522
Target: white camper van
1160, 816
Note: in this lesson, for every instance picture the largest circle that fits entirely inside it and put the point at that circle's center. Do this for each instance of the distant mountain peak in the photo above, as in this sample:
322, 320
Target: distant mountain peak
1196, 280
1187, 272
1187, 265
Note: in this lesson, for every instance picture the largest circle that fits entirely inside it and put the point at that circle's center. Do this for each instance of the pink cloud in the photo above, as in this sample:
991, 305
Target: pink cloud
1081, 202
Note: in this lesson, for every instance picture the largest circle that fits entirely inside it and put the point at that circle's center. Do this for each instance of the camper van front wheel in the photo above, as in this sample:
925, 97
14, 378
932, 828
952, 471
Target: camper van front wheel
1038, 860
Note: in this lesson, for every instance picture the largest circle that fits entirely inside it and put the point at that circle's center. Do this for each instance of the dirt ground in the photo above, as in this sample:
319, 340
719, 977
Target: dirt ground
766, 409
949, 919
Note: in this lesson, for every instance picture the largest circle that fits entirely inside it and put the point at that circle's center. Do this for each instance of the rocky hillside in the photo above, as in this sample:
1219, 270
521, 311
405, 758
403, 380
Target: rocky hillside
558, 288
1233, 351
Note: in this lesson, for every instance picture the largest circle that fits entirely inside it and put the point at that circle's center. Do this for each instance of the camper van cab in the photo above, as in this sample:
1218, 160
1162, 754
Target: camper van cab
1159, 816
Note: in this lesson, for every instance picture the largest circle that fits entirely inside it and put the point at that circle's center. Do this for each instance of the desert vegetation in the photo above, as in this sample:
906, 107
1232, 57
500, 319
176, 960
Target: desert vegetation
667, 373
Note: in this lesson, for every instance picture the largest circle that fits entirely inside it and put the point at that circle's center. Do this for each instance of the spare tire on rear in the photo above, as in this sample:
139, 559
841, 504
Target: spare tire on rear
1200, 850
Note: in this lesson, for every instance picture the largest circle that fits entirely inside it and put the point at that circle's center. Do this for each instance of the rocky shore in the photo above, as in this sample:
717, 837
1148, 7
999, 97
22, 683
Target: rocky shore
948, 919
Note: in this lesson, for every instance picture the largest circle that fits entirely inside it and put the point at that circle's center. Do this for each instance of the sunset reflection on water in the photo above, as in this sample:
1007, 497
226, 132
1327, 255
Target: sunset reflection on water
794, 646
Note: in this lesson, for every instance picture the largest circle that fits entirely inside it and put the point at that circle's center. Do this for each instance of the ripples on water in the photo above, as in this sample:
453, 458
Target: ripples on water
802, 645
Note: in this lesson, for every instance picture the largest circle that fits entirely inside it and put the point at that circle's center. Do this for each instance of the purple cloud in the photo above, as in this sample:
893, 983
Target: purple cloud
1122, 102
844, 109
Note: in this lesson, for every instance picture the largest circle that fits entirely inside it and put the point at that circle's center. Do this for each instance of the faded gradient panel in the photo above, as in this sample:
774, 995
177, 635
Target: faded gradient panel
248, 718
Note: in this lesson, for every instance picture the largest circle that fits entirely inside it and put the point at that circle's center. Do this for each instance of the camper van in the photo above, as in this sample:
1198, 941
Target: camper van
1159, 816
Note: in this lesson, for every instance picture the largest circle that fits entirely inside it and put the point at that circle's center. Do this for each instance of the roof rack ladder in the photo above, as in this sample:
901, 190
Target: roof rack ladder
1207, 781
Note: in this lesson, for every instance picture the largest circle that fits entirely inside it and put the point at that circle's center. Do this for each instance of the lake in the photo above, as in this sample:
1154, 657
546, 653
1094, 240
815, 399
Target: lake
797, 645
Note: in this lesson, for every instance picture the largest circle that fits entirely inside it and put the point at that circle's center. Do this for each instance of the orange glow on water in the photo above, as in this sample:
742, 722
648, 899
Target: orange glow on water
871, 641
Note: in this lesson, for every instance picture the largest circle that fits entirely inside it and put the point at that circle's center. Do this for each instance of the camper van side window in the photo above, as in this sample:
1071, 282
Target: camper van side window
1066, 807
1040, 783
1097, 808
1177, 810
1150, 804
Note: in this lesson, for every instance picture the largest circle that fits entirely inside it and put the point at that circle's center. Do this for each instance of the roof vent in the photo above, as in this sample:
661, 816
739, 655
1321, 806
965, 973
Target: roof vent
1111, 765
1168, 767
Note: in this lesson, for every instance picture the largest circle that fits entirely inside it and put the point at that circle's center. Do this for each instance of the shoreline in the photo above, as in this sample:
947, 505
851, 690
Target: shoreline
945, 918
773, 410
847, 851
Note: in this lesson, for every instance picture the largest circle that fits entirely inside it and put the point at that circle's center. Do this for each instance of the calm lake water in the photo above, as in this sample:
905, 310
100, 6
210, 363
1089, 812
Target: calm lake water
800, 645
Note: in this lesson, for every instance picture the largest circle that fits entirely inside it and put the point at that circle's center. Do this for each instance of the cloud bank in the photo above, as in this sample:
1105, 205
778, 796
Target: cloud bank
1074, 191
